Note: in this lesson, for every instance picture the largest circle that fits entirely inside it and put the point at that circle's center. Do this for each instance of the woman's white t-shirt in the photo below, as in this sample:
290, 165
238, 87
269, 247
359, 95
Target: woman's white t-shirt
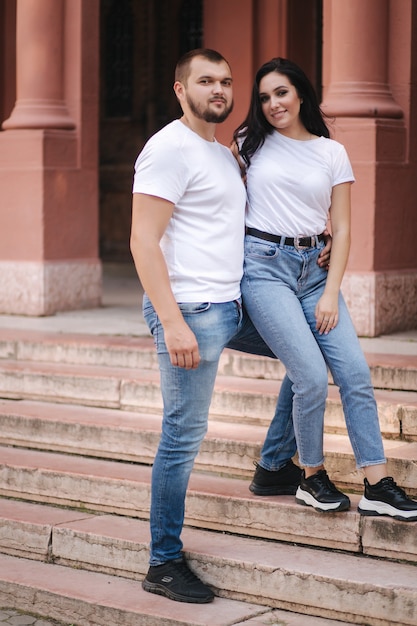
290, 182
203, 243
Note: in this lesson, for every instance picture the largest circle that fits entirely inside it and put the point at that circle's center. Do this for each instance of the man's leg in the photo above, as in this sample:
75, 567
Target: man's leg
186, 398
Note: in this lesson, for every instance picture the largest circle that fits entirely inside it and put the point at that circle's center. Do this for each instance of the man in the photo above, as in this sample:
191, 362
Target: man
187, 244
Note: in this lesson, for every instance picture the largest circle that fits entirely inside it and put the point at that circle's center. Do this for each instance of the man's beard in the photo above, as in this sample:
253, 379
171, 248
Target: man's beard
207, 115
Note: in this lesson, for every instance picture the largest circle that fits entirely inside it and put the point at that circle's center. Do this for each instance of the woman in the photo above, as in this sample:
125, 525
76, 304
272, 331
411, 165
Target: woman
297, 177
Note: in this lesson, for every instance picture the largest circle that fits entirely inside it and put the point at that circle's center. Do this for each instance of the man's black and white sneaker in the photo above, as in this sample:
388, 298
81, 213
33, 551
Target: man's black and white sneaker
387, 498
176, 581
319, 492
276, 482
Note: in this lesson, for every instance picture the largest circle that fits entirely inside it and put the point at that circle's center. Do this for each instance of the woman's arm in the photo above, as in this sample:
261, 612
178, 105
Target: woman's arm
327, 307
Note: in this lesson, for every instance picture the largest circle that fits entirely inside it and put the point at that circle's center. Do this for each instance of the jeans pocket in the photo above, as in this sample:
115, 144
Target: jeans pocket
260, 250
192, 308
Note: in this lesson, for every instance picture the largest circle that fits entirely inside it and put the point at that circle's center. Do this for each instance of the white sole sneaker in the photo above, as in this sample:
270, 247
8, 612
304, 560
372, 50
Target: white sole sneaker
376, 507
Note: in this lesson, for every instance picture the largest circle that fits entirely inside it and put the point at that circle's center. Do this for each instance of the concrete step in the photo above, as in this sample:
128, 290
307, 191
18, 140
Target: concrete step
389, 371
249, 576
228, 448
89, 599
93, 599
213, 503
244, 400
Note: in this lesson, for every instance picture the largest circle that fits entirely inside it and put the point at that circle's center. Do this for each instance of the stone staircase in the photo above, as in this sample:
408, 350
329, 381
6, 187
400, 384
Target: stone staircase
80, 420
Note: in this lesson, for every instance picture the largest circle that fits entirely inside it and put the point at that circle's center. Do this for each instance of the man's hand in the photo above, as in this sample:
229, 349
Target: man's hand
182, 345
324, 256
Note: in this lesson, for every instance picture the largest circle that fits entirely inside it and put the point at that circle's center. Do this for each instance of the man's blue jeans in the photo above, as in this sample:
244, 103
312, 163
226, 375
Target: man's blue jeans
280, 288
186, 398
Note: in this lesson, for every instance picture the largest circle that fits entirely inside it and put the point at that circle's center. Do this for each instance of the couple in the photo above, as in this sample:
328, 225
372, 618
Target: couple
189, 246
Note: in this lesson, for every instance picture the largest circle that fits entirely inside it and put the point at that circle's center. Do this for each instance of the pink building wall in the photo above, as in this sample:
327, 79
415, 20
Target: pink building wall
49, 143
369, 85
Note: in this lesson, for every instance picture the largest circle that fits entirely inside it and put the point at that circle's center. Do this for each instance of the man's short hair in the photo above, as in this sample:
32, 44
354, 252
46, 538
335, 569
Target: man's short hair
182, 70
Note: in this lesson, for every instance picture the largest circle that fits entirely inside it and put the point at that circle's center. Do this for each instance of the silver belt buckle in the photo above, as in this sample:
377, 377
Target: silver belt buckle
297, 244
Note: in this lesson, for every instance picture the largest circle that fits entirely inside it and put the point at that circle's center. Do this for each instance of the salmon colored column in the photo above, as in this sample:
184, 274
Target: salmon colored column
49, 162
358, 65
361, 56
39, 57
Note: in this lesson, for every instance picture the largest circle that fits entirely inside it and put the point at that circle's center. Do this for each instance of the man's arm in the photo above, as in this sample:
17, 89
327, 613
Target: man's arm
150, 217
324, 256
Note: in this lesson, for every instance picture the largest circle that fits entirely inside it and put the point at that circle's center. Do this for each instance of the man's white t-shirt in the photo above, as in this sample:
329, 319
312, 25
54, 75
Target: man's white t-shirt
290, 183
203, 243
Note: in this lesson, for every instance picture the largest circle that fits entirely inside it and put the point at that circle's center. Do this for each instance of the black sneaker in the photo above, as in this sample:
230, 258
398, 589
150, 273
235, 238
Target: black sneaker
387, 498
276, 483
319, 492
176, 581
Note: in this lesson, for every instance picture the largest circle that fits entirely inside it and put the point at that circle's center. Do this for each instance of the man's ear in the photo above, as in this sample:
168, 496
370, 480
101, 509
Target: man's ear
179, 90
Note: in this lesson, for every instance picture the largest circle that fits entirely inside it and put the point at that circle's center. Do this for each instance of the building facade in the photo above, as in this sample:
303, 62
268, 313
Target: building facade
84, 83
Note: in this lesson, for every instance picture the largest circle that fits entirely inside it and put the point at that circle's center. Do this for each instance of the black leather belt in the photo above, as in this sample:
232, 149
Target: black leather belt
297, 242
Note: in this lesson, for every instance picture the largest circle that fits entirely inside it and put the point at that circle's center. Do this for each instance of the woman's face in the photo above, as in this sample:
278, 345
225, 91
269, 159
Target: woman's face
280, 103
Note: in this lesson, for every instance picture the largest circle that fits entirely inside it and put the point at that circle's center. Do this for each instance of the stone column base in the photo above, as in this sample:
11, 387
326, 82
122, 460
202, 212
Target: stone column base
381, 302
44, 288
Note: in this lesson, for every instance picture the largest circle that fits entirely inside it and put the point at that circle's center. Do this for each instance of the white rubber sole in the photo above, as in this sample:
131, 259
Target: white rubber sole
304, 497
376, 507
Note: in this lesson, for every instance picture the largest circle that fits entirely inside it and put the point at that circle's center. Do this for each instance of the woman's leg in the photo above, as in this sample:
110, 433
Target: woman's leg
275, 280
269, 291
346, 361
350, 371
281, 433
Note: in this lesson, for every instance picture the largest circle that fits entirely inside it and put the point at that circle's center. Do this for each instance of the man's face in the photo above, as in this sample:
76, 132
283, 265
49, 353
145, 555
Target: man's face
208, 91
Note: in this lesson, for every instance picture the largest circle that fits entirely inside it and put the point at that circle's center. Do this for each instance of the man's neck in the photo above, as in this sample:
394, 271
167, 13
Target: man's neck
205, 130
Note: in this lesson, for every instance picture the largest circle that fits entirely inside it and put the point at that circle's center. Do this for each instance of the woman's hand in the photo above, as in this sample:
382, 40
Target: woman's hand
327, 314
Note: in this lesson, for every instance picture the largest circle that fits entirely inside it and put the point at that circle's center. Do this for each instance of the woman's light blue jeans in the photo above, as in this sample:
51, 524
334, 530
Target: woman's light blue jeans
280, 288
186, 398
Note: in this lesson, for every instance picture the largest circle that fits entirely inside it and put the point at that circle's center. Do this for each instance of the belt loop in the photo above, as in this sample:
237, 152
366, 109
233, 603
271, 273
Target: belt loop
282, 241
317, 241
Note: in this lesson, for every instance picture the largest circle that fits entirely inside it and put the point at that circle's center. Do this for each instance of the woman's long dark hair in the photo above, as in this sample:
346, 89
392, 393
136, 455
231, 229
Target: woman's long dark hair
255, 127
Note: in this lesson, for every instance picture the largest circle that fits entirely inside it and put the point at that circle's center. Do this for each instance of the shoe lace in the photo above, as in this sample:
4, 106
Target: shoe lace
323, 479
185, 573
391, 486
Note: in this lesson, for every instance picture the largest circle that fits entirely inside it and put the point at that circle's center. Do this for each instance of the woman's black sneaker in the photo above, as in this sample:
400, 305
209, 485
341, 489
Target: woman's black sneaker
276, 483
176, 581
387, 498
319, 492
